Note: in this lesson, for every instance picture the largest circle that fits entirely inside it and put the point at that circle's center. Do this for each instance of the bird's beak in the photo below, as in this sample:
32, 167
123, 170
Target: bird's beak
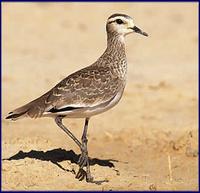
138, 30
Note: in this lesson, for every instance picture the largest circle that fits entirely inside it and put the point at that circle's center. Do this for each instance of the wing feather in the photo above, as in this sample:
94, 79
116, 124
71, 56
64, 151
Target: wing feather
85, 88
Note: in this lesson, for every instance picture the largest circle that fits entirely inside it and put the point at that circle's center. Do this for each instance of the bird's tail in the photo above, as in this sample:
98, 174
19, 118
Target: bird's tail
19, 112
33, 109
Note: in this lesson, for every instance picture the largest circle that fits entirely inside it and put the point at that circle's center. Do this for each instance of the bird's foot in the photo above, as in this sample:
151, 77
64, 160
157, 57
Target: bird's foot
89, 178
83, 174
84, 161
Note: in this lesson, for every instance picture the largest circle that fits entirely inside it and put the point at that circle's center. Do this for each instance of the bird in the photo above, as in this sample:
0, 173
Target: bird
89, 91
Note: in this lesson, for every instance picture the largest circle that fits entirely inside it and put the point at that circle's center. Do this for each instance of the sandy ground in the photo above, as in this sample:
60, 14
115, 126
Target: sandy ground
149, 141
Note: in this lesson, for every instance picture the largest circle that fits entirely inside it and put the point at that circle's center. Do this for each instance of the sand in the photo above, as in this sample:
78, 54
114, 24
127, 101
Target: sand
149, 141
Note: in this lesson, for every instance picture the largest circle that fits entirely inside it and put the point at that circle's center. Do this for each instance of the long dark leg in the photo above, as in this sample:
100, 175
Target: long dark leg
58, 121
84, 159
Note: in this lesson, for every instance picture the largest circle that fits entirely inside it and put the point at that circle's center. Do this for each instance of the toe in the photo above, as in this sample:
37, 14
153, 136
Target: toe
81, 174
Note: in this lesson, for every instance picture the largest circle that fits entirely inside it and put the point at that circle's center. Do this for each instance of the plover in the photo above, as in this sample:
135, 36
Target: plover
89, 91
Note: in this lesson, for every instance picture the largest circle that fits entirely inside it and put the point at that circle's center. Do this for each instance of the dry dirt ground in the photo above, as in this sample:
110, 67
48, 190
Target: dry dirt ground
149, 141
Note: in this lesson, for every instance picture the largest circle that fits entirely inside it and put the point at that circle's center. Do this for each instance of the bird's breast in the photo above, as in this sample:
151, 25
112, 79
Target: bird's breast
119, 68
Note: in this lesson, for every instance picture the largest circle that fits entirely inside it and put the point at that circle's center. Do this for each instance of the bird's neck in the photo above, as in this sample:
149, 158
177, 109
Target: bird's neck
115, 43
115, 50
114, 56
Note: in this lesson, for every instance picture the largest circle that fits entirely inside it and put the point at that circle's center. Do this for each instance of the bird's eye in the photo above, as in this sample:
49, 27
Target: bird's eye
119, 21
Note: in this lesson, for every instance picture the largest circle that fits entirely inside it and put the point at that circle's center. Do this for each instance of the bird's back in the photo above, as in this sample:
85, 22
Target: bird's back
89, 87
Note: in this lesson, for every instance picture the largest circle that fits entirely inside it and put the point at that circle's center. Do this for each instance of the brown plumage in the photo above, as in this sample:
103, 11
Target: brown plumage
89, 91
88, 87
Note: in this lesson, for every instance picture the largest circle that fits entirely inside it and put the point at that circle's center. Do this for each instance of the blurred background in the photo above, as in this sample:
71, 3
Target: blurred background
42, 43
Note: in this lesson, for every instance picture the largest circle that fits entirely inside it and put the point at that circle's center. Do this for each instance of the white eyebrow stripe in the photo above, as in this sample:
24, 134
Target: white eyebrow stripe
117, 17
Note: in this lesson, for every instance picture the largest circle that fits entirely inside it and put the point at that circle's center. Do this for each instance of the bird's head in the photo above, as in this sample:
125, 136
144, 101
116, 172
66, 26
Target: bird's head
122, 24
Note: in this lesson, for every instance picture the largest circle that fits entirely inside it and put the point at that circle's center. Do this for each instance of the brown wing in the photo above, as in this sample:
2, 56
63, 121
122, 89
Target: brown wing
87, 87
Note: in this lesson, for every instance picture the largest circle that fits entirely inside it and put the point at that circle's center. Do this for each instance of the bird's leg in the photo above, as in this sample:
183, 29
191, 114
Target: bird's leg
58, 121
84, 159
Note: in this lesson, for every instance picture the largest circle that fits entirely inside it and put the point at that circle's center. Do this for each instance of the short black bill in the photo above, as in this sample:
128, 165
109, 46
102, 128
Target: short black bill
138, 30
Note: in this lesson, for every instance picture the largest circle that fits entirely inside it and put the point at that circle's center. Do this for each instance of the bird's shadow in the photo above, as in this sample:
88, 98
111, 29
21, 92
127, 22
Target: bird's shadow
58, 155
